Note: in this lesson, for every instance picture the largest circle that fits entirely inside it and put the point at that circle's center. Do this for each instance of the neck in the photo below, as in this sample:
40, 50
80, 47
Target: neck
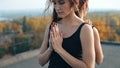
71, 19
81, 15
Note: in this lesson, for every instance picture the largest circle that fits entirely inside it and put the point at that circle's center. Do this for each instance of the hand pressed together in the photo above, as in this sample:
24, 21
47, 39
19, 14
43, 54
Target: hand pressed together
56, 38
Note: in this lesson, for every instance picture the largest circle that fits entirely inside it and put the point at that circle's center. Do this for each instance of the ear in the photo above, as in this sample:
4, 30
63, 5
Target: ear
76, 4
76, 7
83, 7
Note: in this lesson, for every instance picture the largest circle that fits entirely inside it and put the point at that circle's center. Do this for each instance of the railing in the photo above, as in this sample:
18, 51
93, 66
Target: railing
17, 47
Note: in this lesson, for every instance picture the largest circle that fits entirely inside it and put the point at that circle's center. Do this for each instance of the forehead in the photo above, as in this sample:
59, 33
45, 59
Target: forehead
58, 0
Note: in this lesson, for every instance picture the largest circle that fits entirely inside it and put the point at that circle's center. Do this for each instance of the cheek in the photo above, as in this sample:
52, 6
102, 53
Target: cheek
67, 9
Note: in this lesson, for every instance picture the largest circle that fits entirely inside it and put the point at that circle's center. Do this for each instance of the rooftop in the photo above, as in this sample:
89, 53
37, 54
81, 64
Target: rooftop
111, 59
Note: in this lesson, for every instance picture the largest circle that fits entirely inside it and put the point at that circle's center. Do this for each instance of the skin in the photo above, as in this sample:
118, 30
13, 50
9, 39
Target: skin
69, 23
97, 44
44, 51
98, 48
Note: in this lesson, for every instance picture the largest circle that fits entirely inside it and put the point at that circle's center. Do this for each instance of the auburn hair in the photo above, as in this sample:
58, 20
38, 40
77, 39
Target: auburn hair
55, 17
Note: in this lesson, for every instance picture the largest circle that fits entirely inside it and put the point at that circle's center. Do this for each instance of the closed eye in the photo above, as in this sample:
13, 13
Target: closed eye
61, 2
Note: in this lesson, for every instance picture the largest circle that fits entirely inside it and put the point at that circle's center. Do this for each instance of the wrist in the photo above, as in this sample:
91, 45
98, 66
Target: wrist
60, 50
50, 49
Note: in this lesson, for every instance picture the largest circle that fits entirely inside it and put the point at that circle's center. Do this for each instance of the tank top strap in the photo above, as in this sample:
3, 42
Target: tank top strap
80, 27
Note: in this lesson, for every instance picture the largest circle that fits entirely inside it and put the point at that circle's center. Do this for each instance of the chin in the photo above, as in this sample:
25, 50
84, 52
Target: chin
61, 16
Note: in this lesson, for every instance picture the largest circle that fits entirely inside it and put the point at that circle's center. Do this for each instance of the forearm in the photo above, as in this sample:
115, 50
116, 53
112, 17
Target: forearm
99, 54
99, 58
72, 61
43, 58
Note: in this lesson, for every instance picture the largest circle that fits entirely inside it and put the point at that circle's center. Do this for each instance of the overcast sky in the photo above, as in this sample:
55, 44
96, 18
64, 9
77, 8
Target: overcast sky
37, 4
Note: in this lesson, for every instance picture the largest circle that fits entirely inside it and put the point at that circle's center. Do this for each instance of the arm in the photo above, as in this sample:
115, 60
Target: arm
87, 48
87, 40
98, 48
45, 52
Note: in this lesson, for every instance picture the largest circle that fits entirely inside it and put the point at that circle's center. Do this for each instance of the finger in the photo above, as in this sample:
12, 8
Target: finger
52, 29
57, 30
53, 23
54, 32
51, 36
88, 21
49, 42
61, 35
91, 22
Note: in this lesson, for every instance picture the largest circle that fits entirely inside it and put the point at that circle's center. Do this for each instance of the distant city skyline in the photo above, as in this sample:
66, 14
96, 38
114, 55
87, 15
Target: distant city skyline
38, 4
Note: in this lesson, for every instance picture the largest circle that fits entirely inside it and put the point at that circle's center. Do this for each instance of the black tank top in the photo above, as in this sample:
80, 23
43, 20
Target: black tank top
72, 45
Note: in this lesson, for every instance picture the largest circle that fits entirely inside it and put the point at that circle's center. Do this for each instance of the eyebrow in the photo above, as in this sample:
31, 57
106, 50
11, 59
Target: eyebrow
58, 0
52, 0
61, 0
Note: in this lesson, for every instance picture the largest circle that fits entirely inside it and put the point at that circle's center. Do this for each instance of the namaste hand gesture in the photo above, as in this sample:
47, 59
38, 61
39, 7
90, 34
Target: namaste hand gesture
56, 38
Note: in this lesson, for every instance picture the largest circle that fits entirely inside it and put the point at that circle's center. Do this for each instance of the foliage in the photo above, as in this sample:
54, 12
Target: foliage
31, 31
2, 52
108, 25
21, 43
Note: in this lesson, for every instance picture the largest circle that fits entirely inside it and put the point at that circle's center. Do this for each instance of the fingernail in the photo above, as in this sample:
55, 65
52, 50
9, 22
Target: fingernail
53, 23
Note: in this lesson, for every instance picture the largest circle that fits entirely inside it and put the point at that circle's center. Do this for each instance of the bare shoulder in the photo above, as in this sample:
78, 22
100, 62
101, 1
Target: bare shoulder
86, 28
95, 30
86, 34
87, 43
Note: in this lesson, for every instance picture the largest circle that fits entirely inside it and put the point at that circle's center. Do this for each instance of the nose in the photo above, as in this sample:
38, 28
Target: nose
57, 7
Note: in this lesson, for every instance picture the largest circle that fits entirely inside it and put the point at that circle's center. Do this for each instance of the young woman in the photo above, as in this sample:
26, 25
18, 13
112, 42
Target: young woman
82, 9
71, 41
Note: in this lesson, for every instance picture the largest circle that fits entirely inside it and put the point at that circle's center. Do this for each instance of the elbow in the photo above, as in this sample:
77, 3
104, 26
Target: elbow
80, 66
102, 58
100, 61
41, 62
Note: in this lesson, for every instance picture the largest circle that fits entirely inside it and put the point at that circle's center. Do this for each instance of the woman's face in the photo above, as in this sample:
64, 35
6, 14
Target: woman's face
62, 7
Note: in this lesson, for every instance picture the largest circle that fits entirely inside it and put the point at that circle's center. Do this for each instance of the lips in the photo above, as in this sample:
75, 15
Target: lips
59, 12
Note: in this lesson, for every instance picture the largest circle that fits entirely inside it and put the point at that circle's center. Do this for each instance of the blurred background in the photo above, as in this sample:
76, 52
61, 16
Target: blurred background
23, 22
